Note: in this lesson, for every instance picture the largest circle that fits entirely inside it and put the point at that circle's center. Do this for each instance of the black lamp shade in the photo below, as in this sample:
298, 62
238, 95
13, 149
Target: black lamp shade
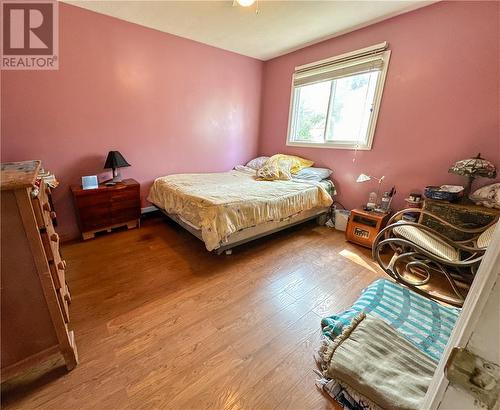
115, 160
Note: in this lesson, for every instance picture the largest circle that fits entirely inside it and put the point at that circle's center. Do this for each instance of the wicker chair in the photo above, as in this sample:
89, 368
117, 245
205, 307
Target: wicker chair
419, 251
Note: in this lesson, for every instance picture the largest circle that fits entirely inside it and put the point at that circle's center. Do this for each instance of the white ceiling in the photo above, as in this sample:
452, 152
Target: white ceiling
278, 28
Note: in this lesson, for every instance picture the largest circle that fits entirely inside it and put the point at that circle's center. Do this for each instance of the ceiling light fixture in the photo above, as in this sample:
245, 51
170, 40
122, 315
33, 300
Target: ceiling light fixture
245, 3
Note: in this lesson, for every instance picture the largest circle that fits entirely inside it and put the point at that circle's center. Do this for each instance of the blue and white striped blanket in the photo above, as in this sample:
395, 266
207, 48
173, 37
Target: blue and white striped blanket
423, 322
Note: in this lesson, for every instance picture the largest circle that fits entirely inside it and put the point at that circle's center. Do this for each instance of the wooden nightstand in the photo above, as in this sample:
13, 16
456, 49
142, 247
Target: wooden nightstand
107, 207
363, 226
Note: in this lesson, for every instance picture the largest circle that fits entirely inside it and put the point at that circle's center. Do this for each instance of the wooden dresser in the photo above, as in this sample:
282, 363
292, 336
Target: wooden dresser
34, 293
107, 207
463, 215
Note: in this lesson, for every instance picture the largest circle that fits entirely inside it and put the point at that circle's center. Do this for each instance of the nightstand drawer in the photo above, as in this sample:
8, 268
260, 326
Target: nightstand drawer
125, 204
124, 195
125, 215
92, 218
96, 222
93, 200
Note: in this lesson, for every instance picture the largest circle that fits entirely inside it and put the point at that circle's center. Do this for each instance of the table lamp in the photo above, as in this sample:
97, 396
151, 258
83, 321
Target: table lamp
114, 161
372, 202
473, 168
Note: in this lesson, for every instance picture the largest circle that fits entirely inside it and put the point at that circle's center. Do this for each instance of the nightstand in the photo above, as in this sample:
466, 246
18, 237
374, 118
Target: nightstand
107, 207
363, 226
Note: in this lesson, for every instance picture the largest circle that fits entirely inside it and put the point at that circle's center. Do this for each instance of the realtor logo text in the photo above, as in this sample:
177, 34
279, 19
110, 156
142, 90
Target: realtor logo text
29, 35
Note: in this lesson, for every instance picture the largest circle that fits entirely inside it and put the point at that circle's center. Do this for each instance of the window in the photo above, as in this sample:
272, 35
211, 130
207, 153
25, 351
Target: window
335, 102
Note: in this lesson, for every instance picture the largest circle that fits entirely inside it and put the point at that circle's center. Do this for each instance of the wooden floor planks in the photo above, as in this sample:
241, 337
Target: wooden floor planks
162, 323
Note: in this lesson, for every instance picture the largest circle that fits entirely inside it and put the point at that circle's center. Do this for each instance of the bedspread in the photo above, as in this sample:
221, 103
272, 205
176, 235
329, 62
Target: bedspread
223, 203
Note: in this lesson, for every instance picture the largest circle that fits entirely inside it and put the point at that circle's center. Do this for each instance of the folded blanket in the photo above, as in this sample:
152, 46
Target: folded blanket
422, 321
374, 360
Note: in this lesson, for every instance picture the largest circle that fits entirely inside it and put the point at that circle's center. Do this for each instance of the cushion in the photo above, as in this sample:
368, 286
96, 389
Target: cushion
488, 196
257, 163
296, 163
373, 359
245, 169
272, 172
483, 241
425, 323
313, 174
428, 241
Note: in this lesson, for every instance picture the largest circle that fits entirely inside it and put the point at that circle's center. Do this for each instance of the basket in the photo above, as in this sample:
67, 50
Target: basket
436, 192
341, 217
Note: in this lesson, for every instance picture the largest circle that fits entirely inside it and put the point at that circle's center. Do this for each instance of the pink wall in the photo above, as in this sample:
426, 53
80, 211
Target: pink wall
440, 103
173, 105
168, 104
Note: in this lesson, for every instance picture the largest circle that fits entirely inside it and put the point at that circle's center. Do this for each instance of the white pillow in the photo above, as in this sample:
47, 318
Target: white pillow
313, 174
488, 196
257, 163
245, 169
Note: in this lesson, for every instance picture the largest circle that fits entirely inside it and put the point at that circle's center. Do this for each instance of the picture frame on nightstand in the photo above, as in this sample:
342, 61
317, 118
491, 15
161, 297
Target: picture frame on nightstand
90, 182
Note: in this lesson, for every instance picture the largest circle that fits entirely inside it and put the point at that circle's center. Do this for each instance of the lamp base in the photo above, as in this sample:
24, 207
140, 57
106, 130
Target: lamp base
468, 187
116, 178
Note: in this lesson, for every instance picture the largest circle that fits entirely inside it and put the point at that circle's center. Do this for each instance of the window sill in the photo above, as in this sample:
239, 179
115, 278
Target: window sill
328, 145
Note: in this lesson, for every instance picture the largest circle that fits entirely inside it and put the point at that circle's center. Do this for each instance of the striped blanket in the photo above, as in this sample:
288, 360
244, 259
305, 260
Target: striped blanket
378, 363
423, 322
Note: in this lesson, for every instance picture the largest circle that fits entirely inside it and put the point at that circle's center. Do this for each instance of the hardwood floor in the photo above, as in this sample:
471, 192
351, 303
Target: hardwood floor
162, 323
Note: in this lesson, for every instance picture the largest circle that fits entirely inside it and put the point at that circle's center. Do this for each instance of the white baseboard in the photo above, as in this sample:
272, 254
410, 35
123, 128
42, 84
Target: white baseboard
148, 209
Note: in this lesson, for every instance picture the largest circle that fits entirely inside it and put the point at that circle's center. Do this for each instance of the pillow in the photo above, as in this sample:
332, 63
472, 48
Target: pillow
245, 169
271, 172
488, 196
377, 362
313, 174
297, 163
257, 163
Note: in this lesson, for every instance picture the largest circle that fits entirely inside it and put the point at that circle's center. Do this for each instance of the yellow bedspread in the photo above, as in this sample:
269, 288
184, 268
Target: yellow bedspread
223, 203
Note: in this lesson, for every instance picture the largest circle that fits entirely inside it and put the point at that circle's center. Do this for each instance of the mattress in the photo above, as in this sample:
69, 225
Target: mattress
220, 204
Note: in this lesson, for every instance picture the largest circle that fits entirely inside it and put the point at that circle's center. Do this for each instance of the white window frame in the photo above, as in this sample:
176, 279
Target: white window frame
377, 49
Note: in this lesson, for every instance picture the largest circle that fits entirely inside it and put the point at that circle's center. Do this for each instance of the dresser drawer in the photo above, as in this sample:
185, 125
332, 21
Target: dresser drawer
58, 272
50, 240
41, 208
62, 297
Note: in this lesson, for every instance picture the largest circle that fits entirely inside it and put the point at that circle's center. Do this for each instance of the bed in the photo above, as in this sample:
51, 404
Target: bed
228, 209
